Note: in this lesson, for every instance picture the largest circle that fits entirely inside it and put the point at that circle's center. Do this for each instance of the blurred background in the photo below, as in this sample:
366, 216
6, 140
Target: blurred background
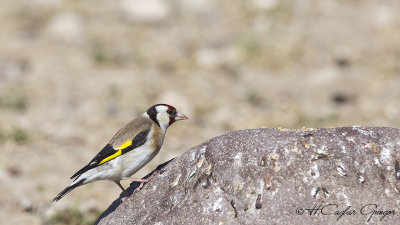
73, 72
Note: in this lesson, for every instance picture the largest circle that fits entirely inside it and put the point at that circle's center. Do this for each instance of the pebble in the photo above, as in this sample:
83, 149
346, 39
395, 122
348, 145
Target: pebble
26, 204
66, 26
145, 10
265, 4
207, 57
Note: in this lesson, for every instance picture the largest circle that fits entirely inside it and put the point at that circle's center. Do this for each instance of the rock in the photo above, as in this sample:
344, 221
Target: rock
346, 175
145, 10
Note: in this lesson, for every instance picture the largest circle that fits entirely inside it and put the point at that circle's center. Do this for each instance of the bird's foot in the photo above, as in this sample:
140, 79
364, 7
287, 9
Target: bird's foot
143, 181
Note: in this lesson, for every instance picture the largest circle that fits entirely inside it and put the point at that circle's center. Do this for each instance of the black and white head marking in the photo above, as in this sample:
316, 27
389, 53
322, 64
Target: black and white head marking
162, 114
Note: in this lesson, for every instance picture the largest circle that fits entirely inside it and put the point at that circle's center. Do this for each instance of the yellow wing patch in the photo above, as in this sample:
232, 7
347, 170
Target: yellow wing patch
125, 145
117, 153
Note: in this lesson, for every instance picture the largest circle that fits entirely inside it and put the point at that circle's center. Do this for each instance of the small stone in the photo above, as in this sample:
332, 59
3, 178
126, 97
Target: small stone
14, 171
207, 57
67, 27
265, 4
26, 204
145, 10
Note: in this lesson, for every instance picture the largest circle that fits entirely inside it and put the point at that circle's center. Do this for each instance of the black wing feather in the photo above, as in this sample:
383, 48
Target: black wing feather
108, 150
137, 141
104, 153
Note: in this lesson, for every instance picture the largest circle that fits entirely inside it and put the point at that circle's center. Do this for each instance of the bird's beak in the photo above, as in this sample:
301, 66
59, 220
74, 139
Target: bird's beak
180, 116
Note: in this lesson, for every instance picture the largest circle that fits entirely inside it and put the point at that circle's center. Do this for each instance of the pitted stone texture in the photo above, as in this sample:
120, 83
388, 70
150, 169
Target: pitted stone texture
264, 176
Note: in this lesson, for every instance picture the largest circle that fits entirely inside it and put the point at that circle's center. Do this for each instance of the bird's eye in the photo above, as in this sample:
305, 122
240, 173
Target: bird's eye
169, 111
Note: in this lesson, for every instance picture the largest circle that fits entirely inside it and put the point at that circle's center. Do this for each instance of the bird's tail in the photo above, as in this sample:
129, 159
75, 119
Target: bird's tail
71, 187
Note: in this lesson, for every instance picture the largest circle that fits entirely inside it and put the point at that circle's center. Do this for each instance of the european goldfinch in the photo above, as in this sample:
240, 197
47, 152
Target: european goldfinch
129, 150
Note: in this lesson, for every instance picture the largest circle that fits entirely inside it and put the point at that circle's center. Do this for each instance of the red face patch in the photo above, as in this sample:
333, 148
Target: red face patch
172, 112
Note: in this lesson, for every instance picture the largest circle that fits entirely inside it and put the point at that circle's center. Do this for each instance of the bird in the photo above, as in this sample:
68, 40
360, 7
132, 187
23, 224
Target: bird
131, 148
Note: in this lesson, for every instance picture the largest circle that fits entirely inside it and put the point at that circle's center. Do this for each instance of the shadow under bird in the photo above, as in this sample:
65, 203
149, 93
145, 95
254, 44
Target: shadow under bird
129, 150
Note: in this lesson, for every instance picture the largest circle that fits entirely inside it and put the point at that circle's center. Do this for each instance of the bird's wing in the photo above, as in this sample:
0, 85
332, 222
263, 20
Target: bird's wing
126, 140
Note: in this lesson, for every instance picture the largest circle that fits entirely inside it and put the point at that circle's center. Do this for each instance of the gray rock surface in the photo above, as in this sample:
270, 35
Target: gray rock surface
275, 176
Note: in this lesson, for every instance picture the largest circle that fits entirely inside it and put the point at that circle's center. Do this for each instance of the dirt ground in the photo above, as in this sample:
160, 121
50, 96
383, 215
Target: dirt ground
73, 72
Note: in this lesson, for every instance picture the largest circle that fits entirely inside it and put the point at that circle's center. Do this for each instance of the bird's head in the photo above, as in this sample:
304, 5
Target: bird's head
164, 115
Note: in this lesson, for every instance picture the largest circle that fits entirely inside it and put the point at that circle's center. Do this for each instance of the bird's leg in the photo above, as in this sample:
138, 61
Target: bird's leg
123, 190
142, 181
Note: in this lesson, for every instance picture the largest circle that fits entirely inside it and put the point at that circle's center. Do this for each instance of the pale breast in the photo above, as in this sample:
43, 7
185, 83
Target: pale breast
136, 159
